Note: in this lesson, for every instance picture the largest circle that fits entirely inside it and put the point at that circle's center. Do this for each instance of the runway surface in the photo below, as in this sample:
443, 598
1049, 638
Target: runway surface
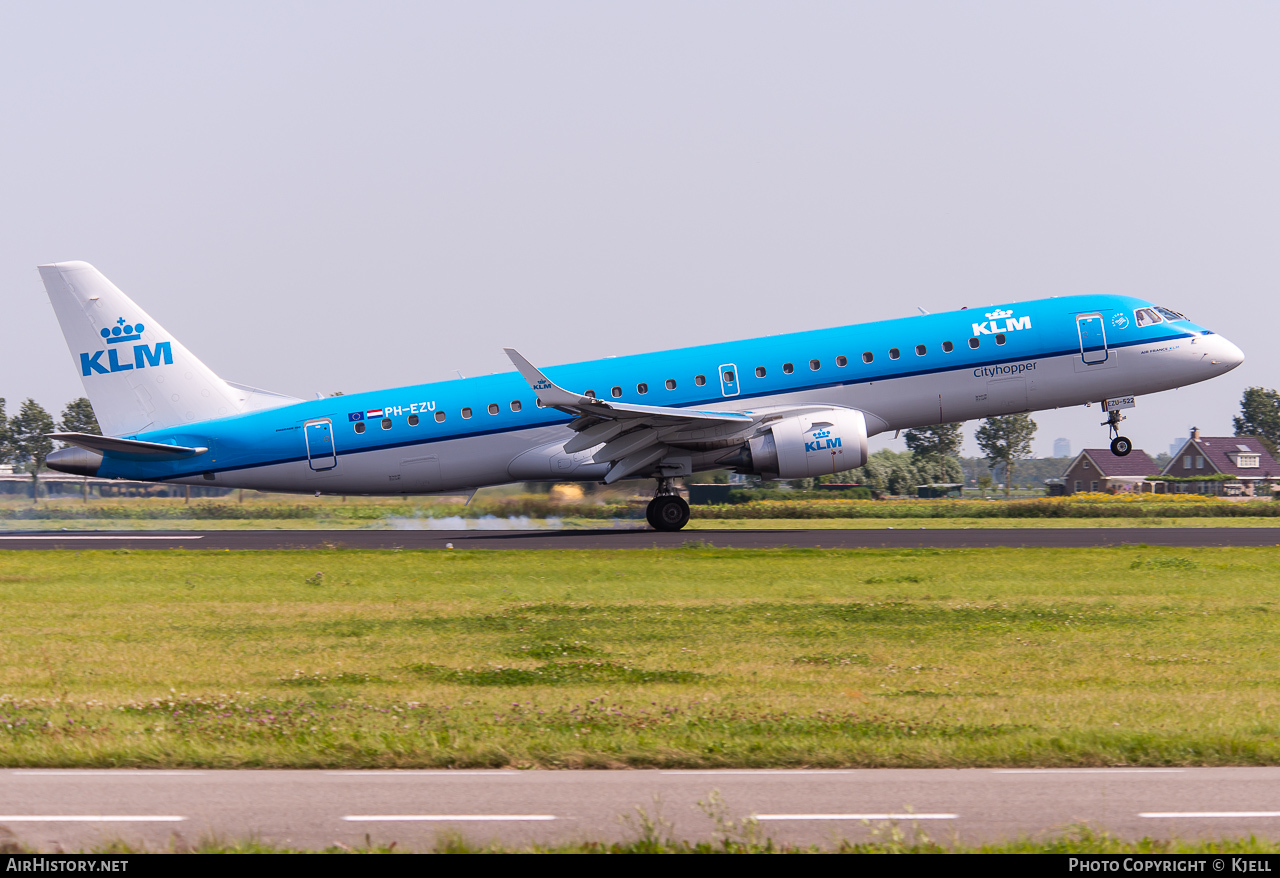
891, 538
310, 809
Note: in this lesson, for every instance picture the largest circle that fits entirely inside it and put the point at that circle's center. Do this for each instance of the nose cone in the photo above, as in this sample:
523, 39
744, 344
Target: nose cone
1226, 355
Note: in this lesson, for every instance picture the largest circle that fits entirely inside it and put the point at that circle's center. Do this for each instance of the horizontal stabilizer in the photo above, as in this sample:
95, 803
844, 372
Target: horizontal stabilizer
255, 399
129, 447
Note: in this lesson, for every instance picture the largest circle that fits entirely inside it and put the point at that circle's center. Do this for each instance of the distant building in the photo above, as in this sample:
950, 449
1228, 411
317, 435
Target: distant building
1230, 466
1175, 445
1061, 447
1097, 469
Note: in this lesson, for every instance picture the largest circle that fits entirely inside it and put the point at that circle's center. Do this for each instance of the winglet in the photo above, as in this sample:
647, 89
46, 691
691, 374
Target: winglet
548, 392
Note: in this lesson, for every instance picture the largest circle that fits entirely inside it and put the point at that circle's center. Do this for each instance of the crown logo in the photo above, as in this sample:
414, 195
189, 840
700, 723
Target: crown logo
123, 332
999, 315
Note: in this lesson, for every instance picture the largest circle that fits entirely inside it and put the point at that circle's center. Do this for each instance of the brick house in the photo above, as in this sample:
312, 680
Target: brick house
1230, 466
1097, 469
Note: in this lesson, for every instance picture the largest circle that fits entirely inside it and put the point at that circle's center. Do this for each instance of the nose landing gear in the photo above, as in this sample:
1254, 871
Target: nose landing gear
667, 511
1120, 445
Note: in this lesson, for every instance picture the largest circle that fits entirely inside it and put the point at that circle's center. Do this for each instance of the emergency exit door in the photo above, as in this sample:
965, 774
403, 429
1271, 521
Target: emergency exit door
728, 380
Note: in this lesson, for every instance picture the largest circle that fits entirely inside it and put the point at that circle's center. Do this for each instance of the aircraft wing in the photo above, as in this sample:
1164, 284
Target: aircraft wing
631, 435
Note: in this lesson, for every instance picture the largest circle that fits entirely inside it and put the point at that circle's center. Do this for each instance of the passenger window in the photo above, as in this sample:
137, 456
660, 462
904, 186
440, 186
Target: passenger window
386, 423
540, 403
359, 426
642, 388
947, 347
973, 343
868, 357
728, 377
787, 368
671, 384
590, 393
493, 408
439, 417
413, 420
515, 405
700, 380
466, 413
760, 372
921, 350
842, 361
815, 365
616, 392
894, 353
1000, 339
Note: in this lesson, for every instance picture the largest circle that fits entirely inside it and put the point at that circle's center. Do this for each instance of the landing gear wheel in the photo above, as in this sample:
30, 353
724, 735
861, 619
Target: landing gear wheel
648, 514
1121, 446
667, 512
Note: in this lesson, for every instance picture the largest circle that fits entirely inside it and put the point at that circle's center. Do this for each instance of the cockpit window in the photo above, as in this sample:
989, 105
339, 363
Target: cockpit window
1147, 317
1171, 315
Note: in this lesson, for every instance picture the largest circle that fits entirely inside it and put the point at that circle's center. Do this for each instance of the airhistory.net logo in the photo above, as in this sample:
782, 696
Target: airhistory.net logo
143, 355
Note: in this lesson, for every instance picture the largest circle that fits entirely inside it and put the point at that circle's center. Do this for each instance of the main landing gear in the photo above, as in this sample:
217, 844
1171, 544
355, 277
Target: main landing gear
667, 511
1120, 445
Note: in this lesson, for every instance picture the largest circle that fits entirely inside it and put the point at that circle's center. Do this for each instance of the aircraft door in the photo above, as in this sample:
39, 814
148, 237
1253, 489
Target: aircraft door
728, 380
320, 451
1005, 396
1093, 339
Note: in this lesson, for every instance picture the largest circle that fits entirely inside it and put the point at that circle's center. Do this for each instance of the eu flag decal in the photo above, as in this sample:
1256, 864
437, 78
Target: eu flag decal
355, 416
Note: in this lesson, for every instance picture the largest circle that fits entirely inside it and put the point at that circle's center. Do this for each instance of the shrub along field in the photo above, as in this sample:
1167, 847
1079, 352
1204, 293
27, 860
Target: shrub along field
685, 657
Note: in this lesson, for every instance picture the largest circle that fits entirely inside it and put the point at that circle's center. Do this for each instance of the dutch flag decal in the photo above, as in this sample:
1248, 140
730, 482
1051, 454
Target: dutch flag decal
373, 413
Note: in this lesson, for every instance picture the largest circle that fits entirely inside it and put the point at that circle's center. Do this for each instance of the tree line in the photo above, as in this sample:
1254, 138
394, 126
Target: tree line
24, 442
1260, 416
933, 455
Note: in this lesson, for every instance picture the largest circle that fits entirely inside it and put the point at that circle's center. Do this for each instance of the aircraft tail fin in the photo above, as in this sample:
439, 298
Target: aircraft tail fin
136, 375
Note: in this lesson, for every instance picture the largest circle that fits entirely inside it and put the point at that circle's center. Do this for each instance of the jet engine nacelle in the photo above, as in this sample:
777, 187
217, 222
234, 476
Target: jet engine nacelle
816, 443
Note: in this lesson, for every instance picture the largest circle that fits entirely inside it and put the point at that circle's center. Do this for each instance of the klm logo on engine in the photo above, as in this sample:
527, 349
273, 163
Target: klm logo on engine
818, 443
144, 355
1001, 321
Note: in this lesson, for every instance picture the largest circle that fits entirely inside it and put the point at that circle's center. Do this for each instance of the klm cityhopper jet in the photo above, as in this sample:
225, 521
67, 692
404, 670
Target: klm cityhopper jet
784, 407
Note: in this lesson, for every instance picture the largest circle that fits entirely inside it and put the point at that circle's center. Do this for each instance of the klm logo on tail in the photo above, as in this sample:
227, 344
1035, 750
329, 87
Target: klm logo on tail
143, 355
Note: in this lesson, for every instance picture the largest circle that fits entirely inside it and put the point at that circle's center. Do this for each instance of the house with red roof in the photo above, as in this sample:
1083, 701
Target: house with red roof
1097, 469
1227, 466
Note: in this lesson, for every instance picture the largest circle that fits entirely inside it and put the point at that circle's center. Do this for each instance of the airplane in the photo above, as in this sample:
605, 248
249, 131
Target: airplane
791, 406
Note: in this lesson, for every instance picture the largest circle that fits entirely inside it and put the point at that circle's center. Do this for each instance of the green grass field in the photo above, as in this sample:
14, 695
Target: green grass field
687, 657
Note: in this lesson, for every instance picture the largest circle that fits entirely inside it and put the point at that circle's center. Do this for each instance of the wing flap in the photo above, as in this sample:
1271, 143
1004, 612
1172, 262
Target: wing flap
555, 396
631, 435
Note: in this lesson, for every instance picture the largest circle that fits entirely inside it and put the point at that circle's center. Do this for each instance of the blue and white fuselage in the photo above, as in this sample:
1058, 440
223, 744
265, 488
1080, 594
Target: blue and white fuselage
685, 410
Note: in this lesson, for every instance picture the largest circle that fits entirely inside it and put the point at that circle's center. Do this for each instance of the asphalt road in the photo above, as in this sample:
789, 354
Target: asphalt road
80, 808
892, 538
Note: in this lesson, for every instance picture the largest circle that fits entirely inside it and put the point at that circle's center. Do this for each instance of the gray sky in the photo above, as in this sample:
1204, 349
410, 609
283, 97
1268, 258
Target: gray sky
347, 196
